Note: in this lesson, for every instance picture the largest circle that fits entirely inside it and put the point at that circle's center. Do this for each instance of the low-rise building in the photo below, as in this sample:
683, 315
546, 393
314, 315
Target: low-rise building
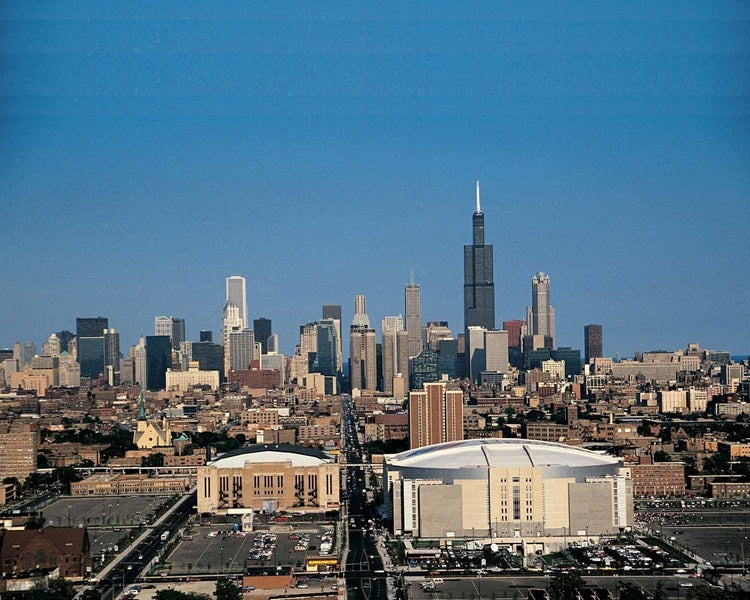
128, 484
63, 548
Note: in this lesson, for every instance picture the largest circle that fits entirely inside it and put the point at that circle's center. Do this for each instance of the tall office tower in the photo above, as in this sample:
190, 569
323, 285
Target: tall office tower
363, 367
475, 352
389, 328
138, 354
237, 295
273, 343
52, 346
158, 360
29, 352
333, 312
515, 332
327, 347
172, 327
360, 311
592, 342
263, 330
435, 415
402, 354
241, 349
65, 338
496, 351
90, 345
112, 350
413, 313
18, 352
436, 331
209, 356
540, 315
479, 285
206, 335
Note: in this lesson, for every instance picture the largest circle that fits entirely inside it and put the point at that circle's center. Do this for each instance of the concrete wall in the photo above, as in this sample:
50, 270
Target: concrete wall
441, 510
591, 508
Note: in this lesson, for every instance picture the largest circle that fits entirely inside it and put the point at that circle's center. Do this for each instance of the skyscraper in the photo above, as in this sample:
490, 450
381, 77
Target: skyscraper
541, 315
263, 329
241, 349
172, 327
360, 311
206, 335
29, 352
479, 285
435, 415
363, 366
389, 327
90, 345
333, 312
237, 295
413, 312
592, 342
158, 360
327, 345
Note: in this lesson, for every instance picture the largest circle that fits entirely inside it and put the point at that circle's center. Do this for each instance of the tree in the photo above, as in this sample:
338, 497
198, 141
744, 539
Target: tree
565, 585
53, 589
227, 590
661, 456
153, 460
176, 595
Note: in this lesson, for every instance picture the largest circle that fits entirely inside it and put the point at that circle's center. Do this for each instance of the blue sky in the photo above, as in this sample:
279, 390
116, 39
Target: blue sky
149, 150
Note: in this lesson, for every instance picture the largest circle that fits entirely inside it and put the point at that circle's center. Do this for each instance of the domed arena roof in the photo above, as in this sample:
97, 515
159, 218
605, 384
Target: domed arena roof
499, 452
299, 456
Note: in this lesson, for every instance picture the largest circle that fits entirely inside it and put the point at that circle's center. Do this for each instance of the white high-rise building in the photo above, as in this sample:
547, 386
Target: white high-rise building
475, 351
390, 326
360, 312
496, 351
241, 349
237, 295
540, 316
234, 318
52, 346
138, 354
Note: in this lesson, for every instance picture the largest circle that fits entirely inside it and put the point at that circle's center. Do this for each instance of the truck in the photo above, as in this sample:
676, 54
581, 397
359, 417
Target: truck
164, 536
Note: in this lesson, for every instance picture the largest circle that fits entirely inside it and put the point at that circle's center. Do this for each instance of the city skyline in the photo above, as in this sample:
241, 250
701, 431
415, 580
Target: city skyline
325, 158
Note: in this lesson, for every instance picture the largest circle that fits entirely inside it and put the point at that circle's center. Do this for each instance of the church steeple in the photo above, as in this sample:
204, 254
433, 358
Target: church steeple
142, 407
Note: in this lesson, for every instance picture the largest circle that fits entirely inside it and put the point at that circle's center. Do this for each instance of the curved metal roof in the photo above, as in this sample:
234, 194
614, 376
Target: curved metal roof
499, 452
299, 456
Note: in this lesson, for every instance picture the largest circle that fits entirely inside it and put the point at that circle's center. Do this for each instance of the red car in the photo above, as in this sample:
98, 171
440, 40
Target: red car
434, 573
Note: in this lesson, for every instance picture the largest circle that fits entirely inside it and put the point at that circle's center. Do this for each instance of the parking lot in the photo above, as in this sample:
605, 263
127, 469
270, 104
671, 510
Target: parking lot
74, 511
217, 548
718, 545
517, 588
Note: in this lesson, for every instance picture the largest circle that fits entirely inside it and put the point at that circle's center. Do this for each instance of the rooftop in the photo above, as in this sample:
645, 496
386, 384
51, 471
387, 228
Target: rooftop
499, 452
299, 456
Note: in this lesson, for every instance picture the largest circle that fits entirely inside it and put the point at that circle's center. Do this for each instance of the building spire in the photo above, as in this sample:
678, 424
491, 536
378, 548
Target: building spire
479, 209
142, 407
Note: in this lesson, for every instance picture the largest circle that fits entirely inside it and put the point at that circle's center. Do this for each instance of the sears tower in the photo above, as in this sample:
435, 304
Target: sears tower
479, 284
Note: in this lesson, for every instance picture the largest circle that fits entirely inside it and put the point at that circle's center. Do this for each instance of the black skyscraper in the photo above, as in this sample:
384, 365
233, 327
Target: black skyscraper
592, 342
206, 335
263, 330
332, 311
158, 360
479, 283
91, 346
